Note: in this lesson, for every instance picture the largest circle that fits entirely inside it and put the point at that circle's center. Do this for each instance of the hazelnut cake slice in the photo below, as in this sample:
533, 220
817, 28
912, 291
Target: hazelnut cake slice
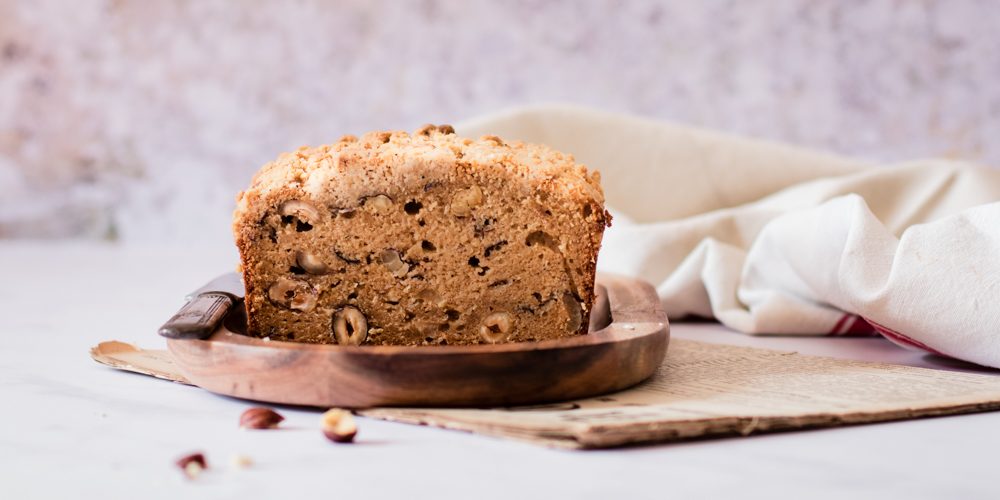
429, 238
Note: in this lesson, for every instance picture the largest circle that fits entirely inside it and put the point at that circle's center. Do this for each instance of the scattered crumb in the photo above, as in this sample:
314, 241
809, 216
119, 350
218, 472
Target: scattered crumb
238, 461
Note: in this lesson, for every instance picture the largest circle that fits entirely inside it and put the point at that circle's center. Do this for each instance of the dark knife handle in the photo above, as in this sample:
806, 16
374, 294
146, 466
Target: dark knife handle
199, 317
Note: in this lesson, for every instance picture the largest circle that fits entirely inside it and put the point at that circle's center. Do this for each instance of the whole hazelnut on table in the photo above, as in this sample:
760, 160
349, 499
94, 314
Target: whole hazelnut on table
260, 418
338, 426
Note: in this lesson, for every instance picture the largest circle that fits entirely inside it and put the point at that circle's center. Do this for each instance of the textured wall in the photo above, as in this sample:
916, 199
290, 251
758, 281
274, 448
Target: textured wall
140, 119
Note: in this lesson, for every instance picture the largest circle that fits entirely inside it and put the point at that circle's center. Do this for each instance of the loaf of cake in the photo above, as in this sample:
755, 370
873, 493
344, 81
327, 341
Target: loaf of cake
422, 239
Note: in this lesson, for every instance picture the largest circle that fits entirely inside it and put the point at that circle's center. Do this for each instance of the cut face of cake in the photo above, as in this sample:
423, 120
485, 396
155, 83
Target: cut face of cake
429, 238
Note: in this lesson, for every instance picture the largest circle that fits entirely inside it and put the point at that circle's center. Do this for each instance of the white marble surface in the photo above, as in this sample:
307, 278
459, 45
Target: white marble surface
75, 429
139, 119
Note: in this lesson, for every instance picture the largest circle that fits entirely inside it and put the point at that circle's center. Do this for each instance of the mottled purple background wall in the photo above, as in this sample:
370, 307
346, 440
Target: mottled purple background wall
140, 119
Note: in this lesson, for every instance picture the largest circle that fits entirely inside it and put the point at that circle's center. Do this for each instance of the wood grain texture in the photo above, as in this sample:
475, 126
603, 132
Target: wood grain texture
628, 341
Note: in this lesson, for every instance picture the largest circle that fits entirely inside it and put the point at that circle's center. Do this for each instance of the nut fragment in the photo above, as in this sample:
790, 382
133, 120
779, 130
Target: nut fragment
496, 327
310, 263
392, 296
303, 210
338, 426
350, 327
380, 137
379, 203
492, 138
425, 129
391, 260
260, 417
293, 294
428, 128
574, 311
237, 461
465, 200
416, 251
431, 297
192, 464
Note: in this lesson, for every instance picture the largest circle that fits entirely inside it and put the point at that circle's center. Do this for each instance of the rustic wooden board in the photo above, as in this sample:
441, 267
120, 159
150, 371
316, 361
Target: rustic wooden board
627, 342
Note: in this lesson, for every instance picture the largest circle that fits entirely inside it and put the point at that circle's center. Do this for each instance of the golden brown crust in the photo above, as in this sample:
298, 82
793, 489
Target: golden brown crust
431, 237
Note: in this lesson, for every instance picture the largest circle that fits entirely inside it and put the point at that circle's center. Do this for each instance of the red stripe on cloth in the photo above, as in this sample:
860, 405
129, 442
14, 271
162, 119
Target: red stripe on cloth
903, 339
860, 328
840, 324
852, 325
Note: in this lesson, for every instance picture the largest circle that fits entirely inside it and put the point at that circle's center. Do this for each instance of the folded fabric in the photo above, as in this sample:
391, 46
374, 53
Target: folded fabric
772, 239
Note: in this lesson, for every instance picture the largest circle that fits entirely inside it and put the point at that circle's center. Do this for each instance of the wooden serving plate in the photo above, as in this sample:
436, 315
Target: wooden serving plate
627, 342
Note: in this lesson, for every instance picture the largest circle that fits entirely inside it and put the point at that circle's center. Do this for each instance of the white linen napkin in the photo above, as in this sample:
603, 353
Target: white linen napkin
772, 239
